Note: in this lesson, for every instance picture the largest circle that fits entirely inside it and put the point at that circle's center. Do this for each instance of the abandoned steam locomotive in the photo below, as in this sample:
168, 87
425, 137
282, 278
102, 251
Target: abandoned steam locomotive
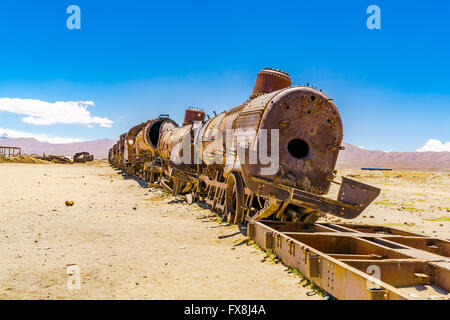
273, 156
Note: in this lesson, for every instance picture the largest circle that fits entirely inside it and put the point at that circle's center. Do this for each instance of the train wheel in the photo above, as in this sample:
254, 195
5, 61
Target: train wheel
234, 198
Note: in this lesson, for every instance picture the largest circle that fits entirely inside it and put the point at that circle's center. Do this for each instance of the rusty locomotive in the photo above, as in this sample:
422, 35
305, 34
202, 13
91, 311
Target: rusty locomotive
268, 163
219, 161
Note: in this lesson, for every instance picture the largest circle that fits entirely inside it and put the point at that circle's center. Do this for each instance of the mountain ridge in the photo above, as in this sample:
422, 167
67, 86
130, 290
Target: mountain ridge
99, 148
352, 157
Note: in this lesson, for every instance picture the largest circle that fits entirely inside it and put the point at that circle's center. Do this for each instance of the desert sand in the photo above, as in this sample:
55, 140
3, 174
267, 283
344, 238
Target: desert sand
132, 242
417, 202
128, 242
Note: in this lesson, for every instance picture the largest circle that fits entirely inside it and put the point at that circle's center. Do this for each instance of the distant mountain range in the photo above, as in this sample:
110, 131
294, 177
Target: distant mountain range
355, 158
352, 157
99, 148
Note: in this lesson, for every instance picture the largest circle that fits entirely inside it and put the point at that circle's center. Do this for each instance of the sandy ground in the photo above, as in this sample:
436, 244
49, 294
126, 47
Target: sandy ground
127, 241
417, 202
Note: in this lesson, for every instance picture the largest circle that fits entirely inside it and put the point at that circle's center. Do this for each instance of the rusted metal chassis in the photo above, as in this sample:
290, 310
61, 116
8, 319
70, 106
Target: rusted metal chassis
338, 257
353, 196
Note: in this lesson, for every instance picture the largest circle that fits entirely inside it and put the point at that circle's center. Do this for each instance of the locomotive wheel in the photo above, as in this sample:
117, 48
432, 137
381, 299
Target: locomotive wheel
234, 198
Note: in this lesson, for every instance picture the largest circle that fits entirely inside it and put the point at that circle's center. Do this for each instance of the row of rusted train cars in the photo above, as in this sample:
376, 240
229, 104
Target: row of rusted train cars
225, 162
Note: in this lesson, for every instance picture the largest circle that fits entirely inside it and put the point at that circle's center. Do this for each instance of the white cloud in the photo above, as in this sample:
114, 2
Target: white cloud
435, 145
9, 133
46, 113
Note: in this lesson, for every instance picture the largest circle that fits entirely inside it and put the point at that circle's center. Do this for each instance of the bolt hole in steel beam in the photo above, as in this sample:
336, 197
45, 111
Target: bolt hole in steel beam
298, 148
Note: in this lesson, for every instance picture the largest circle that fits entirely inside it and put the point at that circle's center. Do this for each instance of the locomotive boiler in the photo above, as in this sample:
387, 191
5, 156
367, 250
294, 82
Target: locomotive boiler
273, 156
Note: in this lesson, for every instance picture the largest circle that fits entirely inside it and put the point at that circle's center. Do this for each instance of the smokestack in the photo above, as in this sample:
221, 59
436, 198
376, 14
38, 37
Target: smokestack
269, 80
193, 115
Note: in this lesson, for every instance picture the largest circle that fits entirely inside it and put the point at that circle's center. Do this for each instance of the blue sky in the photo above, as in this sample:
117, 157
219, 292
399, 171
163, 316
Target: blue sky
137, 59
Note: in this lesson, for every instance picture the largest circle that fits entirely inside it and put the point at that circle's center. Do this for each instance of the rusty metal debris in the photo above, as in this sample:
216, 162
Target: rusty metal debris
10, 151
59, 159
69, 203
55, 158
83, 157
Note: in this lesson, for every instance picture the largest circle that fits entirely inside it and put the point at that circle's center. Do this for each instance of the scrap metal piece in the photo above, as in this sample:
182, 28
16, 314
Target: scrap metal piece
83, 157
356, 193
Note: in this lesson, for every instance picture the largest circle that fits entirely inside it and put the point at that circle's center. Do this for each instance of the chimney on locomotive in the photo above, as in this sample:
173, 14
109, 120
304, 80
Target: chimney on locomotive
193, 115
269, 80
